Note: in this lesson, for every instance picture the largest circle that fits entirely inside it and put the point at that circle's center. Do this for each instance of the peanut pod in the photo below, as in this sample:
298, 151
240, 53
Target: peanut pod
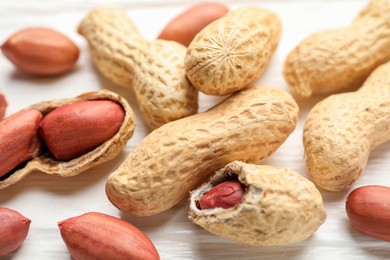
154, 69
47, 163
179, 156
278, 207
337, 59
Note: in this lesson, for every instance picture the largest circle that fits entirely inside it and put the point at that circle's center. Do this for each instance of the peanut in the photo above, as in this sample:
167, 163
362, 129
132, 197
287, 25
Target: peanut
232, 52
333, 60
185, 26
3, 105
225, 195
19, 139
368, 210
154, 69
14, 228
99, 236
177, 157
41, 51
75, 129
279, 206
340, 131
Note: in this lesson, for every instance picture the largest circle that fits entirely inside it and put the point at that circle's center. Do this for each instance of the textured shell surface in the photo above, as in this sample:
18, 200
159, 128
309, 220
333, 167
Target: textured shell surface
279, 206
340, 131
108, 150
233, 51
337, 59
154, 69
177, 157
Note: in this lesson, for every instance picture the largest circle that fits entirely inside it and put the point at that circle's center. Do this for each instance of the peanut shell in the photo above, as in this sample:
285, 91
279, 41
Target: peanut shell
279, 206
179, 156
108, 150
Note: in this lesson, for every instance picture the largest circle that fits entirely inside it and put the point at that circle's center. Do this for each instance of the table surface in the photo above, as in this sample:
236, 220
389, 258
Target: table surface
48, 199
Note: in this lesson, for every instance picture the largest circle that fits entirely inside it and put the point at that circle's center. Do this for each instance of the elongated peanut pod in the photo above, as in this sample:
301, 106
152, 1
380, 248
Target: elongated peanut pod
337, 59
278, 206
232, 52
340, 131
154, 69
14, 228
95, 236
176, 158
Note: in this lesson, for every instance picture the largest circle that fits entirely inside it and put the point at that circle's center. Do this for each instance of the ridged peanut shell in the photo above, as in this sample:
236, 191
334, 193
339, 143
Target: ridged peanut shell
153, 69
233, 51
108, 150
333, 60
340, 131
279, 206
179, 156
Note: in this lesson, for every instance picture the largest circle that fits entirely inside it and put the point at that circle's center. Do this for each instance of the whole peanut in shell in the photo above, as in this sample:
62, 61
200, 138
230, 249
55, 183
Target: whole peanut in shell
233, 51
186, 25
41, 51
179, 156
153, 69
95, 236
3, 105
332, 60
47, 163
340, 131
278, 206
14, 228
368, 210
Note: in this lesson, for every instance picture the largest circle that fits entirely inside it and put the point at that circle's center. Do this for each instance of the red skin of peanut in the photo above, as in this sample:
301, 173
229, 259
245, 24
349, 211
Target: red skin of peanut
41, 51
368, 210
13, 230
95, 236
185, 26
76, 129
19, 139
3, 105
225, 195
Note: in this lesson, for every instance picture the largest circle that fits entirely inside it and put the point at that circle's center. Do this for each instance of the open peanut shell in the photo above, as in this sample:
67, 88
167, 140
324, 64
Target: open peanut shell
108, 150
278, 207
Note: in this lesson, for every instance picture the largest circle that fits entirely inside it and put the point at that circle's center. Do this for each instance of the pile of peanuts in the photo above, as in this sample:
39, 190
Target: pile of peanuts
212, 158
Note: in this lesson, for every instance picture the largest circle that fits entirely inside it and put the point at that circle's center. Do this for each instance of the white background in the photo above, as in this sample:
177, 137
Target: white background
47, 199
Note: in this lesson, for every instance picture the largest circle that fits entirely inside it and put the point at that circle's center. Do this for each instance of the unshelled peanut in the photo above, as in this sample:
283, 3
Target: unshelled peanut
95, 236
177, 157
333, 60
340, 131
233, 51
185, 26
153, 69
14, 228
41, 51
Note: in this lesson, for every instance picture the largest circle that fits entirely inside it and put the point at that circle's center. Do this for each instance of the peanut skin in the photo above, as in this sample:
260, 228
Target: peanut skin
76, 129
13, 230
333, 60
19, 139
95, 236
340, 131
176, 158
368, 210
225, 195
41, 51
3, 105
185, 26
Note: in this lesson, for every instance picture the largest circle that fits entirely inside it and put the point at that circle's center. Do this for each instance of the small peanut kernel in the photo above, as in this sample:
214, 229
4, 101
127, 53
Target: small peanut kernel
225, 195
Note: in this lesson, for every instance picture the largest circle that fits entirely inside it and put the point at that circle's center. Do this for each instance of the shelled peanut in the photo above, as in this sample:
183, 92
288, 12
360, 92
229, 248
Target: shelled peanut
41, 51
340, 131
65, 136
233, 51
332, 60
258, 205
177, 157
14, 228
3, 105
184, 27
153, 69
99, 236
